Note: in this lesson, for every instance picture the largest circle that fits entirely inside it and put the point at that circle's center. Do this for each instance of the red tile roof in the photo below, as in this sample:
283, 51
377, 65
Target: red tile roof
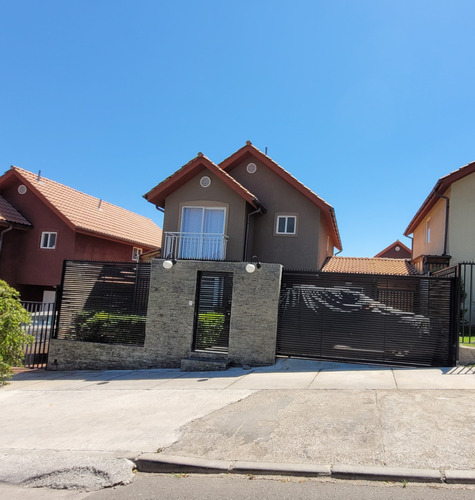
363, 265
440, 188
328, 211
10, 215
88, 214
158, 194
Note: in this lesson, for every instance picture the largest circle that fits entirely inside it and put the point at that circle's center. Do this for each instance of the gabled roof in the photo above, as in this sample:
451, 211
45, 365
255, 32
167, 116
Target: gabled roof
158, 194
440, 188
249, 150
87, 214
397, 243
10, 215
363, 265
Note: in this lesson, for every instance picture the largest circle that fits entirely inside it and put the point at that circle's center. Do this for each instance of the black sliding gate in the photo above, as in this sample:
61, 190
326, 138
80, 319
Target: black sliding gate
368, 318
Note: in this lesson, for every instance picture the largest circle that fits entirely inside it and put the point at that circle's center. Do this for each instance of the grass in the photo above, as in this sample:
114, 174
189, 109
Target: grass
466, 340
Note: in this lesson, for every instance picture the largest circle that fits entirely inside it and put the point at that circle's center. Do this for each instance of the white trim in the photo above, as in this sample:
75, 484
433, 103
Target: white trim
136, 253
286, 219
48, 240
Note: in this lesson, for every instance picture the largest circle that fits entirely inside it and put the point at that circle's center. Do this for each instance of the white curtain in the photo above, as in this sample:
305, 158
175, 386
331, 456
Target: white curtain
207, 224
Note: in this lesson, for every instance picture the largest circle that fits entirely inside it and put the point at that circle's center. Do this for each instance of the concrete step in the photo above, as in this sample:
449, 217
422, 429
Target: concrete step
204, 364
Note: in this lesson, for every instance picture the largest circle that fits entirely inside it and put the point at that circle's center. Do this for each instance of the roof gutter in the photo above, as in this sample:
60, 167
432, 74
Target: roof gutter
260, 210
9, 228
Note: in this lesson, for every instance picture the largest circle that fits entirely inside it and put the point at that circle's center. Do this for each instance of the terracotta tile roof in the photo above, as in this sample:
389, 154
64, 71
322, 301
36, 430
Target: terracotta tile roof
363, 265
88, 214
158, 194
328, 211
10, 214
440, 188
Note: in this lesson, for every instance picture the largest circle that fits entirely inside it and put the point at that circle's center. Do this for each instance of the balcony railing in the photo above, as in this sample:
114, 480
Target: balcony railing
206, 246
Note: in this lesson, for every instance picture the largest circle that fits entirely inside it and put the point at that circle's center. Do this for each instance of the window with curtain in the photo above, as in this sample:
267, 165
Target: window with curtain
202, 231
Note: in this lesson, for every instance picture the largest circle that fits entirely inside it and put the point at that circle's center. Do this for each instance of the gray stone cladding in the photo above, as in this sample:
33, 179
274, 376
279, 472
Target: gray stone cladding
170, 321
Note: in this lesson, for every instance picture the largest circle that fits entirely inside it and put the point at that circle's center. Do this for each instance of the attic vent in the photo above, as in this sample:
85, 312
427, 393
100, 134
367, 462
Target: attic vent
22, 189
251, 168
205, 181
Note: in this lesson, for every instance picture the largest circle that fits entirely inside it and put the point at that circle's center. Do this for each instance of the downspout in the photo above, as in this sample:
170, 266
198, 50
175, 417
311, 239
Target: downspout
260, 210
446, 221
2, 233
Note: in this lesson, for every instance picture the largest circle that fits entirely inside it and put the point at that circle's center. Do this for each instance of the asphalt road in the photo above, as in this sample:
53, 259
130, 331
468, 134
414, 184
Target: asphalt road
213, 487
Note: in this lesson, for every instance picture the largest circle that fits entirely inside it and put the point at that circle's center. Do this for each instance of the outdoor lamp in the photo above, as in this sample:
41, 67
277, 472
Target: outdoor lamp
170, 262
253, 265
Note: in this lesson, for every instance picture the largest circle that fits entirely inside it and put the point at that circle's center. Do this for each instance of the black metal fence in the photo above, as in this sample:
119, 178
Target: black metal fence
41, 326
465, 271
369, 318
104, 302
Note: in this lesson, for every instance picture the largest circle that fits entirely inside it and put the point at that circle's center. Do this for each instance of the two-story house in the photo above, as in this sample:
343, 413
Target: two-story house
246, 206
443, 228
42, 223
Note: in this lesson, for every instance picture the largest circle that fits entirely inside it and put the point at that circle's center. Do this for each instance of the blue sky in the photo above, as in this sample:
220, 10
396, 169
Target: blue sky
368, 103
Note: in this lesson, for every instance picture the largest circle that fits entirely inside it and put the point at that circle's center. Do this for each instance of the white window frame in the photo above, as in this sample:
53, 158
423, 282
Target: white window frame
427, 231
136, 253
286, 217
46, 237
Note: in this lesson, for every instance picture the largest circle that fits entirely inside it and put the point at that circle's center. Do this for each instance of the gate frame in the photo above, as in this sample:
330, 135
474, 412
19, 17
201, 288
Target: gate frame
452, 339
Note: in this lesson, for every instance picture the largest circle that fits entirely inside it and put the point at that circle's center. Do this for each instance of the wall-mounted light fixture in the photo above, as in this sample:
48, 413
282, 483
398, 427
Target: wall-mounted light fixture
253, 265
170, 262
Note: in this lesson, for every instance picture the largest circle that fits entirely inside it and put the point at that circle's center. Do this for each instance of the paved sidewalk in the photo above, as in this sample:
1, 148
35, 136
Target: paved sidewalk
300, 413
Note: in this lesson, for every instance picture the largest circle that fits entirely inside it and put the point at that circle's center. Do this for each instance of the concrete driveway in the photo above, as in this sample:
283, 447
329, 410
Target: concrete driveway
297, 411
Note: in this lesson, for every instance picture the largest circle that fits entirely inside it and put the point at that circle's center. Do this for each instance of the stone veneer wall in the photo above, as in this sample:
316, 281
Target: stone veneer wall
170, 318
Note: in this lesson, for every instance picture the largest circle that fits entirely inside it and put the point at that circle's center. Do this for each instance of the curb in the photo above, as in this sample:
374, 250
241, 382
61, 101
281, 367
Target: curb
162, 463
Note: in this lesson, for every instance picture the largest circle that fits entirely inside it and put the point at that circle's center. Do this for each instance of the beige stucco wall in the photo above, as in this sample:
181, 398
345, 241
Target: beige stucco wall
462, 220
437, 230
298, 251
218, 194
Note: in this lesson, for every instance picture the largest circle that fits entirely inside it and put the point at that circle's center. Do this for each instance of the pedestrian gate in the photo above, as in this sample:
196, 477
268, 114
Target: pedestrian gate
213, 311
407, 320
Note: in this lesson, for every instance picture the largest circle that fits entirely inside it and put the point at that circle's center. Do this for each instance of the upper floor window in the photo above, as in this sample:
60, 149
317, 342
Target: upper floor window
286, 224
136, 253
48, 240
428, 231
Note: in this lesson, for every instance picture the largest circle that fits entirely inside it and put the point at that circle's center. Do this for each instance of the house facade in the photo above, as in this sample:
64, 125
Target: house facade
443, 228
45, 222
246, 206
396, 250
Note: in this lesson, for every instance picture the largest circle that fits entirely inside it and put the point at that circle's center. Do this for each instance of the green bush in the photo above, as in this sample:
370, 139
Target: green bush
100, 326
12, 336
210, 327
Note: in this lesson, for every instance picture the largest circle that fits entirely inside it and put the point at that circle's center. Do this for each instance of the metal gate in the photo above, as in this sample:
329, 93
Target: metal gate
41, 326
380, 319
213, 311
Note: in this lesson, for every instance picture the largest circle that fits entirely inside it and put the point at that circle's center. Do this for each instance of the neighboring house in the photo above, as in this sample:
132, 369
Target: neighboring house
443, 228
46, 222
396, 250
246, 206
363, 265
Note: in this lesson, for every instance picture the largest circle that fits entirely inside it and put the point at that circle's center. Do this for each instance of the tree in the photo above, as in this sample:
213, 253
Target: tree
12, 336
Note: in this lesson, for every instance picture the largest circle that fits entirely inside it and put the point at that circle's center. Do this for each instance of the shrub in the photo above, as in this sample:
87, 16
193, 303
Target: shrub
12, 336
210, 327
101, 326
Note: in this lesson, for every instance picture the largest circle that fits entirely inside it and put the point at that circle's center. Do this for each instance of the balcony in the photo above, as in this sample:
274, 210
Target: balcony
204, 246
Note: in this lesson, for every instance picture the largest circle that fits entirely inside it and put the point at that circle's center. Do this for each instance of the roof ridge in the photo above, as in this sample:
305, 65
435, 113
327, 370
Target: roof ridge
92, 197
